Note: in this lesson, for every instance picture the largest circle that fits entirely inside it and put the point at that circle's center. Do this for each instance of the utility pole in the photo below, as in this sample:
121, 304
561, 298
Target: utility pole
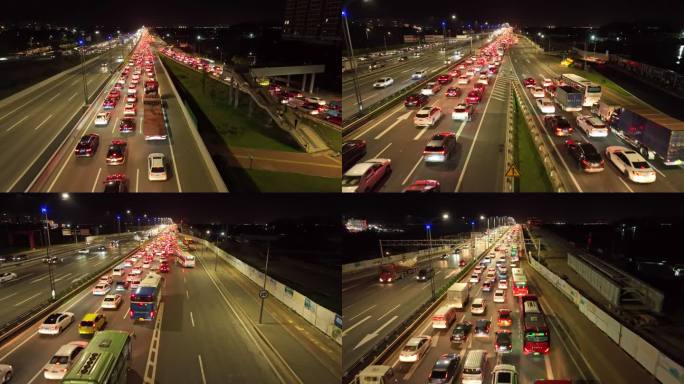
262, 295
85, 84
47, 253
352, 63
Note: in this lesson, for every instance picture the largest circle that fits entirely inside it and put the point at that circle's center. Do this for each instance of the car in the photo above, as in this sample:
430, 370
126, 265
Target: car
491, 275
499, 296
131, 99
461, 331
479, 87
487, 286
106, 279
416, 100
383, 82
503, 341
146, 265
558, 125
84, 251
132, 89
6, 372
631, 164
431, 88
478, 306
101, 288
427, 116
119, 86
53, 260
470, 72
129, 109
461, 67
482, 327
474, 97
455, 73
546, 105
352, 151
127, 125
504, 319
402, 58
440, 147
91, 323
136, 270
164, 268
463, 112
415, 348
63, 359
128, 263
546, 82
102, 119
55, 323
453, 92
537, 91
121, 286
483, 79
421, 186
156, 167
117, 152
417, 75
504, 374
445, 369
107, 104
88, 145
592, 126
374, 66
116, 183
529, 82
7, 276
111, 301
114, 94
366, 176
474, 278
503, 284
444, 79
586, 155
463, 79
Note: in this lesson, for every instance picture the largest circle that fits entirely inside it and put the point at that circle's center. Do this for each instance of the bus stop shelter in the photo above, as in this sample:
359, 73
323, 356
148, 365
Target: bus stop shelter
303, 70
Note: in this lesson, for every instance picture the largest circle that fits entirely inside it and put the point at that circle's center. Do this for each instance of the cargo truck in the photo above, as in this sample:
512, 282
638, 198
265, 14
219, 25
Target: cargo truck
377, 374
648, 131
569, 98
154, 125
457, 295
394, 271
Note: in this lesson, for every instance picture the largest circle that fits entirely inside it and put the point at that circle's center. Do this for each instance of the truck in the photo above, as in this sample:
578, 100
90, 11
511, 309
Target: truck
154, 125
458, 295
377, 374
650, 132
569, 98
390, 272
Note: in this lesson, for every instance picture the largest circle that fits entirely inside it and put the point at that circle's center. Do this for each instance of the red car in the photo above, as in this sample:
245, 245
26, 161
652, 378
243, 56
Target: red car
114, 94
164, 268
116, 183
444, 79
474, 97
126, 125
87, 146
421, 186
453, 92
109, 103
417, 100
479, 87
504, 319
455, 73
530, 82
116, 154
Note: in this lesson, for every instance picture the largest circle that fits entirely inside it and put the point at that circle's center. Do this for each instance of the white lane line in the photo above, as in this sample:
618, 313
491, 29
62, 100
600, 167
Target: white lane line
64, 277
17, 123
361, 313
420, 133
35, 376
137, 179
38, 279
76, 81
175, 168
54, 97
378, 122
355, 325
28, 299
187, 294
151, 366
625, 183
399, 120
8, 296
97, 177
547, 366
383, 150
388, 312
192, 319
116, 123
125, 314
412, 170
72, 96
204, 379
41, 124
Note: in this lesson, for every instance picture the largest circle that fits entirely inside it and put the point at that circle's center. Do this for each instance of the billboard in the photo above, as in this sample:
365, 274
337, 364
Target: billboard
410, 39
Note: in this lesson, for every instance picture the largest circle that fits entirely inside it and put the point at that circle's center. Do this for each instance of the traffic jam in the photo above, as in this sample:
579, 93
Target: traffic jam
484, 320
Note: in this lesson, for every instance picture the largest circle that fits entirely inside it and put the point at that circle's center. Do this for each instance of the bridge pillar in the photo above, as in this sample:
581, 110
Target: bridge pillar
303, 82
311, 84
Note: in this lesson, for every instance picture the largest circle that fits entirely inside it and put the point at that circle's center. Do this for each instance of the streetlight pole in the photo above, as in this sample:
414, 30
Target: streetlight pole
47, 252
352, 61
428, 228
85, 84
118, 223
261, 309
384, 38
445, 40
367, 38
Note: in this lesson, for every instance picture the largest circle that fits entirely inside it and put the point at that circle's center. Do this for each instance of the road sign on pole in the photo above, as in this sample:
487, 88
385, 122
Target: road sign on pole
512, 171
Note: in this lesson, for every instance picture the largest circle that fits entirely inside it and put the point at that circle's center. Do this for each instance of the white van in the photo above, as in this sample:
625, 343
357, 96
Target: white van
118, 271
444, 317
474, 367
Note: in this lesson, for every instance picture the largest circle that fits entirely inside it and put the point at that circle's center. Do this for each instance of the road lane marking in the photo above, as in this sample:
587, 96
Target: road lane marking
63, 277
137, 178
378, 122
399, 120
72, 96
370, 336
412, 170
624, 183
97, 177
151, 366
8, 296
420, 133
361, 313
17, 123
54, 97
30, 298
116, 122
38, 279
547, 366
383, 150
192, 319
346, 331
41, 124
388, 312
187, 294
204, 379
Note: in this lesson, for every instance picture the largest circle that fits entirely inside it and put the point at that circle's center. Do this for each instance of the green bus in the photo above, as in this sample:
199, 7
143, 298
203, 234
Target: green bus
104, 361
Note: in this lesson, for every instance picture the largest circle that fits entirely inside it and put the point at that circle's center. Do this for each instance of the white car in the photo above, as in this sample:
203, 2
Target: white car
483, 80
545, 105
462, 112
631, 164
55, 323
106, 279
136, 271
478, 306
131, 99
470, 72
314, 99
7, 276
463, 79
430, 88
546, 82
118, 270
383, 82
146, 265
61, 361
499, 296
84, 251
474, 278
503, 284
427, 116
6, 372
537, 92
132, 89
417, 75
102, 119
156, 167
504, 374
415, 348
111, 301
129, 109
365, 176
592, 126
101, 289
127, 263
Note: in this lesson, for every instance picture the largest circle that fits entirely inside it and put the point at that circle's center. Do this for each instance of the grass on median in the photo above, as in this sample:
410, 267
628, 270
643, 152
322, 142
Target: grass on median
330, 135
270, 181
234, 125
533, 177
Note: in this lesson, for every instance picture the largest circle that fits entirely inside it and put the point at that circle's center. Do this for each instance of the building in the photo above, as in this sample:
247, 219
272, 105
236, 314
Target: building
313, 20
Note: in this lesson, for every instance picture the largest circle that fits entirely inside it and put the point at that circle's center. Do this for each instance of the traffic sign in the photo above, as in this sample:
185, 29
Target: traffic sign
512, 171
263, 293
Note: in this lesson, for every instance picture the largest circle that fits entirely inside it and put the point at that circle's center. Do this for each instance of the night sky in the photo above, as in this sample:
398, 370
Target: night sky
130, 14
529, 12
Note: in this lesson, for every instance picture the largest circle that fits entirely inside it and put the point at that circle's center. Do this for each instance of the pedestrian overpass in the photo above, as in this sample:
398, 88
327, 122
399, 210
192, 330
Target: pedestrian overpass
297, 70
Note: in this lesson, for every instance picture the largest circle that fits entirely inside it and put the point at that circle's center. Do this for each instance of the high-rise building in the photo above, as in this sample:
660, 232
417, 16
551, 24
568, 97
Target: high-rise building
313, 20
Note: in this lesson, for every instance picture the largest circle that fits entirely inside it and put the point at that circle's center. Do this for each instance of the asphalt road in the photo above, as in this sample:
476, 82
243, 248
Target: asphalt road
29, 123
528, 62
186, 169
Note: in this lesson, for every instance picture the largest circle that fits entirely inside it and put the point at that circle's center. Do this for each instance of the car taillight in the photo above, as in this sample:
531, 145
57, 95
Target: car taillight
131, 313
585, 163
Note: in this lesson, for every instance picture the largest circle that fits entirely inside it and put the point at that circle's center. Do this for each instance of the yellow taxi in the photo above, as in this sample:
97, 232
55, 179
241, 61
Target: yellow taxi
91, 323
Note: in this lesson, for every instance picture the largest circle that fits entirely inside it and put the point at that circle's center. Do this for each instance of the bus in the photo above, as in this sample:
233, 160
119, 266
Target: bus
104, 361
184, 259
519, 282
145, 299
591, 92
536, 338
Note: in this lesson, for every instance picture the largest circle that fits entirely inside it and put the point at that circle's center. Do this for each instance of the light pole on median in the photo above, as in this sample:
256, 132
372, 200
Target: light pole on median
263, 298
384, 39
352, 61
445, 40
85, 84
43, 210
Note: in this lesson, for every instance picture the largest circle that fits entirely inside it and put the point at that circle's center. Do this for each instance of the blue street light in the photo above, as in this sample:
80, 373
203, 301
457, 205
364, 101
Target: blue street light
427, 226
43, 210
344, 13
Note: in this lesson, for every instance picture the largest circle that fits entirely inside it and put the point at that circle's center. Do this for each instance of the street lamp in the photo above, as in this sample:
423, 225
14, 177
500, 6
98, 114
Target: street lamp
118, 222
367, 38
85, 84
445, 40
65, 196
43, 210
384, 38
352, 61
